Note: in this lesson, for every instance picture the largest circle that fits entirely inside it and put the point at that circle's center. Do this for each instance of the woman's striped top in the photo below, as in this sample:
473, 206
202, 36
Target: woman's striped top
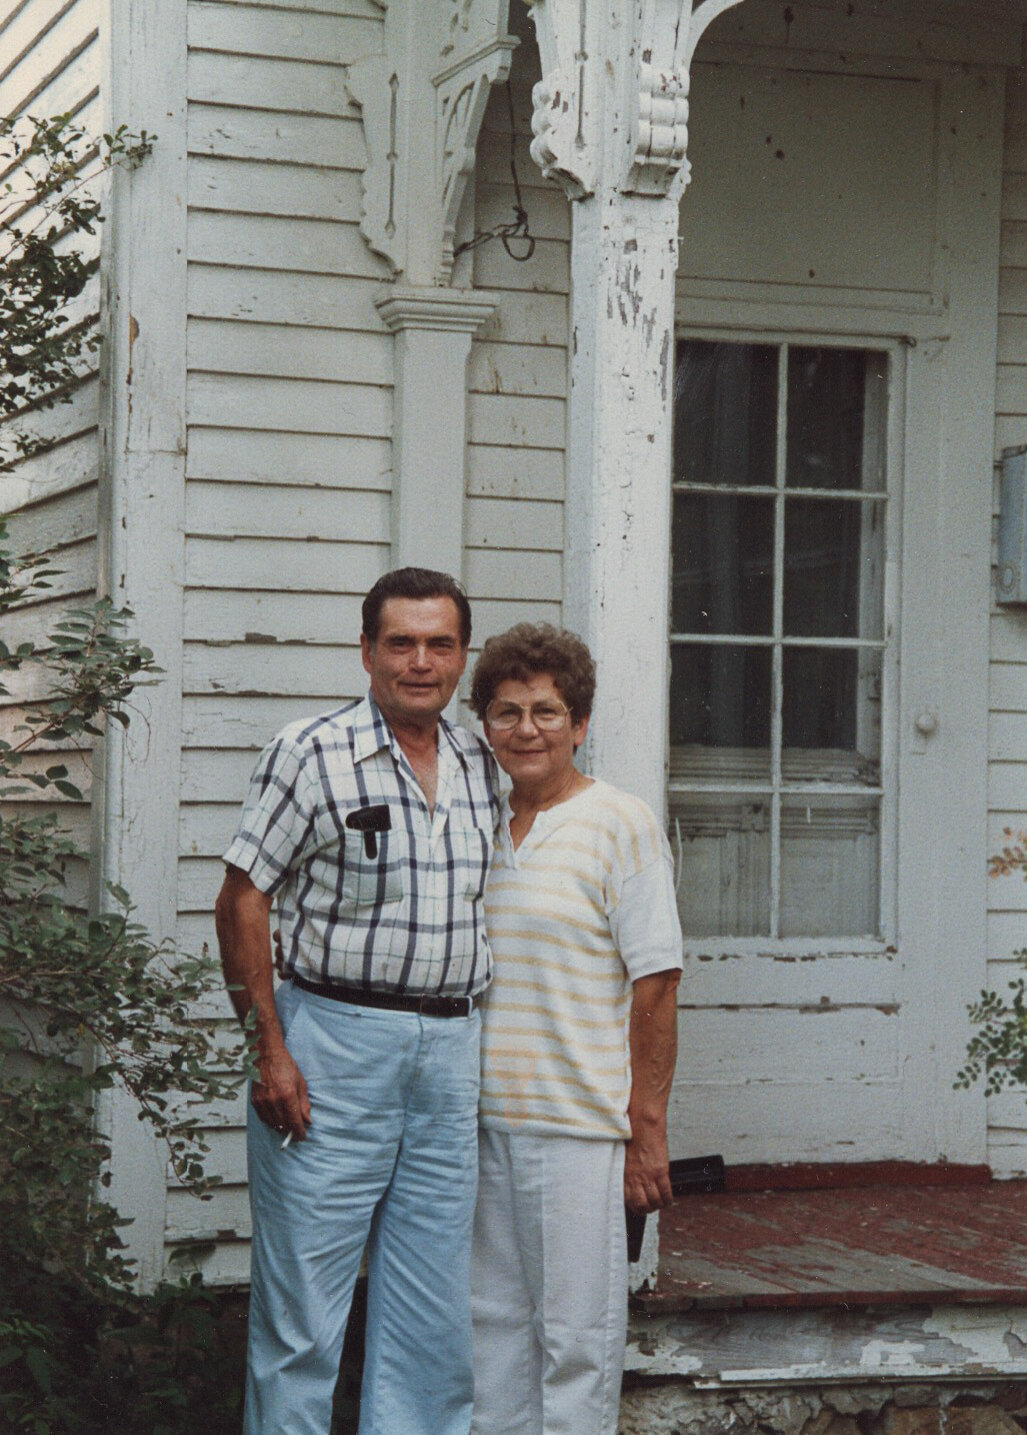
583, 908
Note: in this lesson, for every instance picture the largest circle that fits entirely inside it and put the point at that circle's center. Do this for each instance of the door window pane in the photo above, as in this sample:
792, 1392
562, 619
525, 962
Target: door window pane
723, 564
822, 568
725, 413
831, 699
722, 849
720, 696
828, 418
830, 858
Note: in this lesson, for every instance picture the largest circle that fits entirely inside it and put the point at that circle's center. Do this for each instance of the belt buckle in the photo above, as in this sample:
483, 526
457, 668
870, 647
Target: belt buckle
434, 1004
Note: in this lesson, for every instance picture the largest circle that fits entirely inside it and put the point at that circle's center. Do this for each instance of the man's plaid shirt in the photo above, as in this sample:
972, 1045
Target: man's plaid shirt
411, 917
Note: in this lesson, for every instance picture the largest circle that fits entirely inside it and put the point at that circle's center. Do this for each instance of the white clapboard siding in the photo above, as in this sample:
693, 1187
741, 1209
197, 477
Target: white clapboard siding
41, 40
757, 1123
497, 472
268, 82
200, 877
52, 523
282, 350
517, 380
318, 34
288, 465
244, 720
260, 241
321, 672
207, 829
311, 566
238, 617
516, 421
61, 467
515, 523
250, 456
269, 135
289, 405
50, 64
1007, 736
216, 775
218, 291
252, 510
71, 417
244, 186
58, 90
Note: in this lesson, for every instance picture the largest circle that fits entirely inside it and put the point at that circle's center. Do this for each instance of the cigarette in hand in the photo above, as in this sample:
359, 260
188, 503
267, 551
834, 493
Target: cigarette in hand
287, 1140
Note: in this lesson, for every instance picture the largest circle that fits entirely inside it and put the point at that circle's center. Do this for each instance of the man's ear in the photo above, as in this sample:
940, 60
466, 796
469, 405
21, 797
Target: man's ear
366, 647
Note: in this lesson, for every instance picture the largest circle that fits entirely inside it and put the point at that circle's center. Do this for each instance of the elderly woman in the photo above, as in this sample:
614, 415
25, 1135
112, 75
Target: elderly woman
578, 1050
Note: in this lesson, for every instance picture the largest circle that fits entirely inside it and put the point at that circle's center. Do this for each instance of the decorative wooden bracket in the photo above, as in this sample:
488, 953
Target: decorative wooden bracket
606, 73
423, 99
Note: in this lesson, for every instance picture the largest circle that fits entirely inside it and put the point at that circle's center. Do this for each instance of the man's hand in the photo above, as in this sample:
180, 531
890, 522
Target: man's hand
242, 916
652, 1036
280, 1098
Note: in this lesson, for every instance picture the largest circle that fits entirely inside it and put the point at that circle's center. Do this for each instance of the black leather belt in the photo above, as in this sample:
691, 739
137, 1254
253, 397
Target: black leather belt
427, 1004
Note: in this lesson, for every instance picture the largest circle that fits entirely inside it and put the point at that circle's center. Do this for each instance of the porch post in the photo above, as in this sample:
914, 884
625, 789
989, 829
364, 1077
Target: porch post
142, 544
610, 124
433, 329
422, 97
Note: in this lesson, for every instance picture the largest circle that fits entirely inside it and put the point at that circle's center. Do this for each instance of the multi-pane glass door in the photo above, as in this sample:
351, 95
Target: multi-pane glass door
778, 638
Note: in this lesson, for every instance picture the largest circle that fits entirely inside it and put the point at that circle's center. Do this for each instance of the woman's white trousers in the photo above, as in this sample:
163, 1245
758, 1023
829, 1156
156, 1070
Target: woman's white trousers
549, 1285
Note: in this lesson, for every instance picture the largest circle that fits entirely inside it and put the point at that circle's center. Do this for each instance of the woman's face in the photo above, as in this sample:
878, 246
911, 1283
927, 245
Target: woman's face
533, 756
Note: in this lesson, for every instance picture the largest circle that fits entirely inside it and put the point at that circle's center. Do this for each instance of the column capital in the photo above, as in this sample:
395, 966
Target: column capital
423, 98
611, 109
430, 307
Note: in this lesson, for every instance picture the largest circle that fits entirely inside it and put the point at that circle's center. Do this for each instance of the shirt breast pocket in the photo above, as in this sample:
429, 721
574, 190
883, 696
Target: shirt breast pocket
374, 880
471, 854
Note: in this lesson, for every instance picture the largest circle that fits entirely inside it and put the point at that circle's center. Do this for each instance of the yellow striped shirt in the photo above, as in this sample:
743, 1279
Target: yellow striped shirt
582, 909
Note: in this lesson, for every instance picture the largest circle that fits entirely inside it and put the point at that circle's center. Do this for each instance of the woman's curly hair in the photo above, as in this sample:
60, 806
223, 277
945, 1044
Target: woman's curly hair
530, 648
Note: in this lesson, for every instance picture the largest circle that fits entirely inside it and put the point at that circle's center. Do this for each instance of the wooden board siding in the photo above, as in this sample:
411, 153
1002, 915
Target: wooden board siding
1007, 731
517, 381
50, 64
288, 467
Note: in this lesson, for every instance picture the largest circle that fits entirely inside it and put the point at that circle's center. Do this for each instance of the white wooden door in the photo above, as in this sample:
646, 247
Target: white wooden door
828, 649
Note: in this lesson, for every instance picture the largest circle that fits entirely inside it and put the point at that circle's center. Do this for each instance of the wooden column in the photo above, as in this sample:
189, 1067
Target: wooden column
610, 123
618, 492
142, 500
433, 328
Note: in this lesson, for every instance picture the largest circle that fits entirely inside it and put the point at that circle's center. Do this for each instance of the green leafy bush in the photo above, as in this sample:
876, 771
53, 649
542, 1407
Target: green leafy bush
998, 1050
87, 1000
50, 195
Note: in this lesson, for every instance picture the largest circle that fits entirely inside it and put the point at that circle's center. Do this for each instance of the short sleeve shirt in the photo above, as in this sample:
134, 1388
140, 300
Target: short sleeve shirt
583, 908
395, 910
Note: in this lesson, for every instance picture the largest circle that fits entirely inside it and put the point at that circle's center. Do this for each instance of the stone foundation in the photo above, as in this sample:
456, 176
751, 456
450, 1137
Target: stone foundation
677, 1408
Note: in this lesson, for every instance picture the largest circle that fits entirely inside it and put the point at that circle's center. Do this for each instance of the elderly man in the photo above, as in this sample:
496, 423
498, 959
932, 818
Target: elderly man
373, 827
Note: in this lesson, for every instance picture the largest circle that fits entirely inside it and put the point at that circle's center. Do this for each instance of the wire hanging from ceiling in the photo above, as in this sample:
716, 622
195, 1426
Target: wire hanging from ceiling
514, 233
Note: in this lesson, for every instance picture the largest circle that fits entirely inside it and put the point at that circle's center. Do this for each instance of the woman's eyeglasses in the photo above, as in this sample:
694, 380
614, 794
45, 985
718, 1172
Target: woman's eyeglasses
547, 717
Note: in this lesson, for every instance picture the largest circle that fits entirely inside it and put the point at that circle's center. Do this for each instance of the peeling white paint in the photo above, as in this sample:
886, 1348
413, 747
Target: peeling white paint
986, 1335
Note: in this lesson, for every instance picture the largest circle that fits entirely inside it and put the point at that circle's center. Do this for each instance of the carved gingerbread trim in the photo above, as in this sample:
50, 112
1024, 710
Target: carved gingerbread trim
650, 48
422, 99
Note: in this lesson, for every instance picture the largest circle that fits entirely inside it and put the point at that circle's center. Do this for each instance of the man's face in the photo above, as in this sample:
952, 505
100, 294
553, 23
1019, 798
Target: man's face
417, 658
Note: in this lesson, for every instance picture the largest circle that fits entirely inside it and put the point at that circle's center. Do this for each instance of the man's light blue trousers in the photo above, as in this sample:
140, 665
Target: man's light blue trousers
390, 1161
